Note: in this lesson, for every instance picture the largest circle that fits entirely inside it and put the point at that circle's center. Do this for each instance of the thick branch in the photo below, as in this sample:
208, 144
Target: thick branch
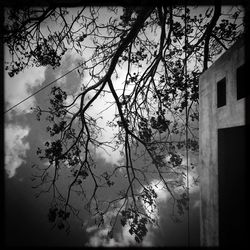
209, 30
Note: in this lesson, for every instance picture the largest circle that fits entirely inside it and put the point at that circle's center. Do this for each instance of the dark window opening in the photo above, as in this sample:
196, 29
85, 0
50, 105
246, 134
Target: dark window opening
221, 93
241, 86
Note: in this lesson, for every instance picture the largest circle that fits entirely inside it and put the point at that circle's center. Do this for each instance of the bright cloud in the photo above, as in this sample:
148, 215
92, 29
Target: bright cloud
126, 239
99, 238
103, 107
123, 238
192, 177
161, 191
162, 196
18, 88
15, 147
70, 82
107, 133
99, 235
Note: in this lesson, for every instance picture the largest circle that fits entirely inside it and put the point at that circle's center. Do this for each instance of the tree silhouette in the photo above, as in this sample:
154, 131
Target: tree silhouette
162, 50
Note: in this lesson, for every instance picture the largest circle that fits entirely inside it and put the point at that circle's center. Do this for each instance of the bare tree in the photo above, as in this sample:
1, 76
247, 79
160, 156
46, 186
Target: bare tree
162, 50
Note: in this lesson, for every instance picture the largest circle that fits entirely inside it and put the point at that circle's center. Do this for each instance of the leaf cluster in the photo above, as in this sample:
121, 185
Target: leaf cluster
137, 223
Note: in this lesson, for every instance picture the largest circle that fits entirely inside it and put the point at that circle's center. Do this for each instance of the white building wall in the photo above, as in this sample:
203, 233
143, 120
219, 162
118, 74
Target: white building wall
211, 119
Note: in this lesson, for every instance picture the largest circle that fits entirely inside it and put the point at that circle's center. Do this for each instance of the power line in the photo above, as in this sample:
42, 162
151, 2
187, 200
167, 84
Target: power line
43, 88
186, 127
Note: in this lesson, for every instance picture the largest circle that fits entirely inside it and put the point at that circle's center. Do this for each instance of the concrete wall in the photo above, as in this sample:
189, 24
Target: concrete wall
211, 119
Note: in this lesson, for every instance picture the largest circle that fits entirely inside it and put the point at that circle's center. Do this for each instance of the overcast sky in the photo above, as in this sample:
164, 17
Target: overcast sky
26, 216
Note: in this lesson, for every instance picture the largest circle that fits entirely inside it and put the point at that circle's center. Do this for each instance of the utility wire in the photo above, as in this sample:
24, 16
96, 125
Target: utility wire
186, 132
43, 88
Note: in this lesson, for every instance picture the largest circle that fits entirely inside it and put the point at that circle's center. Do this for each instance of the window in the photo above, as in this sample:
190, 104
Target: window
221, 93
241, 87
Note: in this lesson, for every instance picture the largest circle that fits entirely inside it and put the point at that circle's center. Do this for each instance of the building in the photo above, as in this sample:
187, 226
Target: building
222, 157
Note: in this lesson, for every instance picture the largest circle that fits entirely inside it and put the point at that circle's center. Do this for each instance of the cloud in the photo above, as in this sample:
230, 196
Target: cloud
153, 211
91, 229
19, 87
121, 237
15, 147
193, 176
99, 238
104, 106
161, 191
107, 134
71, 82
192, 181
126, 239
